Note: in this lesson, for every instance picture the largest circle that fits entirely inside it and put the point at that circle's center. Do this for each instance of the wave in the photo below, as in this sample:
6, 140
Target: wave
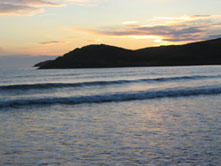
98, 83
117, 97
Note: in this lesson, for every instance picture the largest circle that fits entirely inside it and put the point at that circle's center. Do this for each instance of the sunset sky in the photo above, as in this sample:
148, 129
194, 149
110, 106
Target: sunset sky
54, 27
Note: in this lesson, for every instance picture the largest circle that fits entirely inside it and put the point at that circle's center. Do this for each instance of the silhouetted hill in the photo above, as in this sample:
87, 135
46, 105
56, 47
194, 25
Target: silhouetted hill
42, 63
95, 56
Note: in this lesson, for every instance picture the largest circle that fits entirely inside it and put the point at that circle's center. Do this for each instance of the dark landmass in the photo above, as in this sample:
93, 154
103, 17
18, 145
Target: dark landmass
42, 63
101, 56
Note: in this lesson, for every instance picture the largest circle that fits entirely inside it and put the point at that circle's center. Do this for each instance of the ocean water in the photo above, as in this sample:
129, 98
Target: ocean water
156, 116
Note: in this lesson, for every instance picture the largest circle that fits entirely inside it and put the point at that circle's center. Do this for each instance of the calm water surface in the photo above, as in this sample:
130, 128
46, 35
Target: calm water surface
111, 117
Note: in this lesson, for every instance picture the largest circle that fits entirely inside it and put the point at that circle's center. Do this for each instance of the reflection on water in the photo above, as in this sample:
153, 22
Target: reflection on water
183, 131
161, 116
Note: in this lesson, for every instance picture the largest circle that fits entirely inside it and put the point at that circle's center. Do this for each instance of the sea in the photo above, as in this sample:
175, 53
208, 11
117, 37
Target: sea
144, 116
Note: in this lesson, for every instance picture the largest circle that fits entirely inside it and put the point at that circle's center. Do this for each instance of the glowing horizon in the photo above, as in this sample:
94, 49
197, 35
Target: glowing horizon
54, 27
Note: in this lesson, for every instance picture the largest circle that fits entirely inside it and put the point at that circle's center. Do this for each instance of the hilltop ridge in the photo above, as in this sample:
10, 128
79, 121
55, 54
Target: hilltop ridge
101, 56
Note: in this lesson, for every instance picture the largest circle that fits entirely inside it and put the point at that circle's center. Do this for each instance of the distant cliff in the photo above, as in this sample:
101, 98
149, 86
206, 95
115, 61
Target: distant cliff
100, 56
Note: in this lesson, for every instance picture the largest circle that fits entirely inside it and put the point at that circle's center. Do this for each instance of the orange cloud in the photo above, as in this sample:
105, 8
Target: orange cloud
177, 29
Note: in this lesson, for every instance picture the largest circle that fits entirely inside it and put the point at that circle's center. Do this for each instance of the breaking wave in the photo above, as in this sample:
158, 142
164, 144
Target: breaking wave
97, 83
116, 97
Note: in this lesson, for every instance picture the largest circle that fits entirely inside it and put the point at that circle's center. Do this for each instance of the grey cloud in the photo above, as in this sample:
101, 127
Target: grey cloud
28, 2
171, 33
213, 36
200, 16
168, 30
50, 42
19, 9
23, 7
198, 27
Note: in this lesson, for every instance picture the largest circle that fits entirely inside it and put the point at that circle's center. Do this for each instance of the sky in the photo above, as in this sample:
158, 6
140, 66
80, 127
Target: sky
54, 27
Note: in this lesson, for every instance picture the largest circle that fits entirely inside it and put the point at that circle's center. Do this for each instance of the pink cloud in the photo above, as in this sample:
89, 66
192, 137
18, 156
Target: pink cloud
23, 7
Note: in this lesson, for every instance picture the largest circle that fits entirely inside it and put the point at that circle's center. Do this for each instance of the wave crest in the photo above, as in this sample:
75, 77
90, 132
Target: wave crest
98, 83
117, 97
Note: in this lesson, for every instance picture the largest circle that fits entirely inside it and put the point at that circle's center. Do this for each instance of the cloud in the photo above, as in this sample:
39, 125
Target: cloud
29, 2
23, 7
129, 22
214, 36
51, 42
167, 29
85, 2
31, 7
